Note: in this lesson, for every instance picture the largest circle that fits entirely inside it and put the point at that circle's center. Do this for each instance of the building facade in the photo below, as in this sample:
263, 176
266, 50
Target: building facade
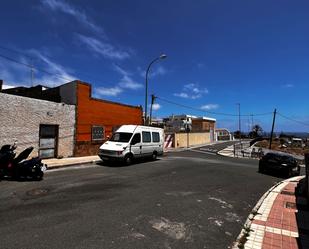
97, 119
93, 121
47, 126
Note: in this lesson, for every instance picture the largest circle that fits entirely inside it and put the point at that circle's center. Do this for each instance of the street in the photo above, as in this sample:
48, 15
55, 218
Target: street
188, 199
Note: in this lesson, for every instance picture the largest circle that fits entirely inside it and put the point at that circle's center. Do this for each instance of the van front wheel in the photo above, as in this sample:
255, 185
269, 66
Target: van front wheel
128, 160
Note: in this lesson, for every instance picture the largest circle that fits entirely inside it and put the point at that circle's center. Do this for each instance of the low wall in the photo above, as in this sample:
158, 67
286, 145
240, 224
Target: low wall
191, 139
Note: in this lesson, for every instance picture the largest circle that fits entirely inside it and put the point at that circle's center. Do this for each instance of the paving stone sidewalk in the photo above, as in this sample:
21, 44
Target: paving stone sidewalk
64, 162
279, 221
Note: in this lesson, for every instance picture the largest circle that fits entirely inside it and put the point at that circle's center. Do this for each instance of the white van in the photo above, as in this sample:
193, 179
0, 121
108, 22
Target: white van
133, 141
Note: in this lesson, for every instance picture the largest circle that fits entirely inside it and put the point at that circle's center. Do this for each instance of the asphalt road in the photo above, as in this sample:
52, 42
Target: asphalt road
188, 199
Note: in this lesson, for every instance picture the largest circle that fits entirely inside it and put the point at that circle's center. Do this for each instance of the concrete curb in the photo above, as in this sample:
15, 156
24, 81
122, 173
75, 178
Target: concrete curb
58, 166
246, 227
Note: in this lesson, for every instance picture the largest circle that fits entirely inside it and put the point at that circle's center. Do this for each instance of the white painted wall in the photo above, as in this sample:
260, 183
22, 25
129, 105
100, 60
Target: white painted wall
20, 119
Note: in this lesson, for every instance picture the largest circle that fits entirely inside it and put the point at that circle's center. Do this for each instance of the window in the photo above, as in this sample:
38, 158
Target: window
122, 137
97, 133
136, 139
155, 137
146, 137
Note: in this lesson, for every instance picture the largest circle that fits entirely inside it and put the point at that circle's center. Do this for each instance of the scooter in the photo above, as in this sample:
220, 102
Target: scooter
18, 167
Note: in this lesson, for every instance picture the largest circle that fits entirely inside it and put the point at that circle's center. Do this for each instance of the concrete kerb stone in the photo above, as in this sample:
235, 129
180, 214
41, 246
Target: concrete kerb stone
68, 164
246, 228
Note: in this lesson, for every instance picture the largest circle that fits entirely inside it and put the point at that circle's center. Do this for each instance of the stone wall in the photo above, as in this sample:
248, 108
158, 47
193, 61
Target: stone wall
20, 119
181, 139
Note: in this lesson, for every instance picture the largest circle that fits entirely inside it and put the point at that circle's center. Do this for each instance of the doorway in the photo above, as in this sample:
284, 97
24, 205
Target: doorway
48, 143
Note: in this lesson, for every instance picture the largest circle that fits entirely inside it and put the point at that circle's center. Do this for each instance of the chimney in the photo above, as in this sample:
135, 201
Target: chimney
1, 84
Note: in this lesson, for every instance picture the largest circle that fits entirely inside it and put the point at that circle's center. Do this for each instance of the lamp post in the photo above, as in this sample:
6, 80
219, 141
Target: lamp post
161, 57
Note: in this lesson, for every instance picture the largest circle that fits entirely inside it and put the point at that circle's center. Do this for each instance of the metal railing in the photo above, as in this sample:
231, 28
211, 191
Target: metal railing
307, 175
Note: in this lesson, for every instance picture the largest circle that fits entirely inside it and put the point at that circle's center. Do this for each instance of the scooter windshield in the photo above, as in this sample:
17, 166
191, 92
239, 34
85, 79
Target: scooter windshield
23, 155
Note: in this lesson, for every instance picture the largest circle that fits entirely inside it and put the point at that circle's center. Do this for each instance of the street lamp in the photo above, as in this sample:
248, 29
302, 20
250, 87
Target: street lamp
161, 57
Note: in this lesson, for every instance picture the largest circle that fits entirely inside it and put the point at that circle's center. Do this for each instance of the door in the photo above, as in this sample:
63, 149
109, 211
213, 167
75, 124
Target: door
48, 142
136, 145
147, 146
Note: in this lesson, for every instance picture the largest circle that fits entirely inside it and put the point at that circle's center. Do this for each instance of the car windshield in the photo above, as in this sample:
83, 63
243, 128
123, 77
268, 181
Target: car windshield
278, 157
123, 137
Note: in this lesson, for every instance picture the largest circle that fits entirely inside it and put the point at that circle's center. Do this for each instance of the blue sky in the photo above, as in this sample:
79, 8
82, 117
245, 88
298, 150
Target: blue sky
220, 53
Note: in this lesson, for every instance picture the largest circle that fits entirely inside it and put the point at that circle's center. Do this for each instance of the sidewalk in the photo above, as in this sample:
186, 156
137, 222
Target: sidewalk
228, 151
69, 161
280, 220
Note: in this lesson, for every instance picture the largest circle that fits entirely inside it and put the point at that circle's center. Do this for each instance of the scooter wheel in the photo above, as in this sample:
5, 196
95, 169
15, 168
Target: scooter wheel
38, 176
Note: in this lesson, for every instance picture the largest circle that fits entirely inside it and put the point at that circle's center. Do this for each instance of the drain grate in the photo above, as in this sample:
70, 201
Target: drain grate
290, 205
284, 192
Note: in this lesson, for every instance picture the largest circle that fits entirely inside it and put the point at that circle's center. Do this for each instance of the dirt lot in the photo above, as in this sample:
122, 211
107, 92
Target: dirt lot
276, 146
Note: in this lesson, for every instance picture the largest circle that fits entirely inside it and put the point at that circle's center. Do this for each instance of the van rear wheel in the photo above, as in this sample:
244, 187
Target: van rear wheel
154, 156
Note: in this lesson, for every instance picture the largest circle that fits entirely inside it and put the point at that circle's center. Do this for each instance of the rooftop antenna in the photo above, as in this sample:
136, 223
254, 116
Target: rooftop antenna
32, 72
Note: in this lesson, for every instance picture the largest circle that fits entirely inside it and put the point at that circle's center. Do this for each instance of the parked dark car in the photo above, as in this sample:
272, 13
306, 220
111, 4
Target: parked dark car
277, 162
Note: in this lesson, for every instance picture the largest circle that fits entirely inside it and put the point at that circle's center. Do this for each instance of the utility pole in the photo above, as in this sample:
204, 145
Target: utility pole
252, 121
152, 102
239, 123
272, 129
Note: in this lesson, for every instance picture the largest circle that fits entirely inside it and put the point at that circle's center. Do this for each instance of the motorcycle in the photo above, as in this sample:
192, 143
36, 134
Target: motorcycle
18, 167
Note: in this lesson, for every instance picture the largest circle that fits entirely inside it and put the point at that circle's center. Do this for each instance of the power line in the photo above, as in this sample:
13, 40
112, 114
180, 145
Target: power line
16, 52
32, 67
291, 119
211, 112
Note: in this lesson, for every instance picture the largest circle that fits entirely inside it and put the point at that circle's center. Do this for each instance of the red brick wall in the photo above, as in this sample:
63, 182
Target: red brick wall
99, 112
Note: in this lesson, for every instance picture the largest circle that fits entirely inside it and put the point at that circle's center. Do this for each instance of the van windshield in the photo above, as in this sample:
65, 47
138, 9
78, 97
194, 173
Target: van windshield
123, 137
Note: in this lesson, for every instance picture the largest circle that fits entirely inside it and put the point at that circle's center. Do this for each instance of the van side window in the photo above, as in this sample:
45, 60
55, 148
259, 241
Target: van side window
136, 139
146, 137
155, 137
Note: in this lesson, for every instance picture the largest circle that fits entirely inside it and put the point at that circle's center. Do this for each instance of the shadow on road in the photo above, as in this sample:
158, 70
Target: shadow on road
274, 173
122, 164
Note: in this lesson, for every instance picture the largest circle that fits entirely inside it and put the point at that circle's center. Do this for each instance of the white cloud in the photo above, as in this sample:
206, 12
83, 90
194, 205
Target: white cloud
58, 5
288, 86
56, 75
126, 80
156, 106
4, 86
182, 95
50, 73
158, 71
209, 107
191, 91
103, 48
195, 88
105, 91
